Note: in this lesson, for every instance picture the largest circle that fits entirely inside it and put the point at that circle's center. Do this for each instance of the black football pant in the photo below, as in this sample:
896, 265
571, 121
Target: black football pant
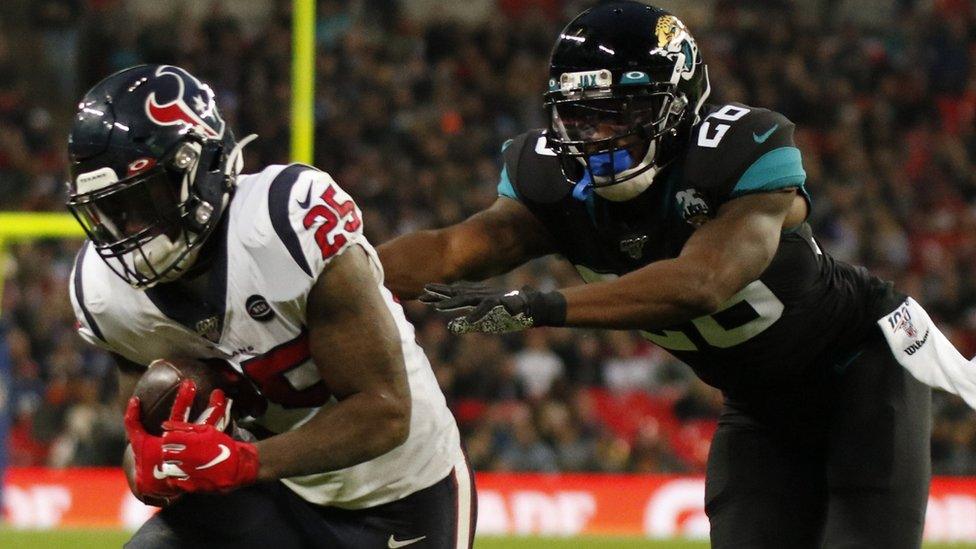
271, 516
860, 480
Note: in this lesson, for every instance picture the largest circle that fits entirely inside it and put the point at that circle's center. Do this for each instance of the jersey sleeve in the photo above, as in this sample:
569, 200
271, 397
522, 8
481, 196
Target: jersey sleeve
505, 186
85, 320
313, 217
531, 172
738, 150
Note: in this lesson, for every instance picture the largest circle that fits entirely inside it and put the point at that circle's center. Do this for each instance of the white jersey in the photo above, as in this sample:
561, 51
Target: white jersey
284, 226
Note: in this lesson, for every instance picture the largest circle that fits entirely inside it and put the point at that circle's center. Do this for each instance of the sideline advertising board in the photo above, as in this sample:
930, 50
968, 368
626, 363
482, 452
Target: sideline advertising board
655, 506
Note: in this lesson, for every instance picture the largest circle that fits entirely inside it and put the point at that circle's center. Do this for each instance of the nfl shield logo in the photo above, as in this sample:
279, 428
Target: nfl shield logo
906, 324
210, 328
902, 320
634, 247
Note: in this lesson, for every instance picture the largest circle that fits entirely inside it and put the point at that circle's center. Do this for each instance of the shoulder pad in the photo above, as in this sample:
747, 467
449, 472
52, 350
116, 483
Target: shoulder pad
737, 149
313, 217
532, 169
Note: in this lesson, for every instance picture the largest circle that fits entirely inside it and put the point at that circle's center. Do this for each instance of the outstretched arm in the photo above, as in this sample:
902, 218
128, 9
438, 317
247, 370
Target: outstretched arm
488, 243
720, 259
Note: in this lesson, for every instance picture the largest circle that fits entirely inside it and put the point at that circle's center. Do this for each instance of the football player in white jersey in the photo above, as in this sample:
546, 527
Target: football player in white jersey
270, 272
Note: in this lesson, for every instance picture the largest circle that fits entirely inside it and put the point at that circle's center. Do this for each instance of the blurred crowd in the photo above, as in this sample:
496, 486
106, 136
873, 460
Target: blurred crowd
410, 114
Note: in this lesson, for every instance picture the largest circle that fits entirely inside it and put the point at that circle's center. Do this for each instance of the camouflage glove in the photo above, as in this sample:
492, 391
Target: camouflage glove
493, 311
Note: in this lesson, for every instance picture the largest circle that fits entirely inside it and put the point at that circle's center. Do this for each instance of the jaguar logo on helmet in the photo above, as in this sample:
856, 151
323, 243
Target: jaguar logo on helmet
202, 116
675, 42
667, 30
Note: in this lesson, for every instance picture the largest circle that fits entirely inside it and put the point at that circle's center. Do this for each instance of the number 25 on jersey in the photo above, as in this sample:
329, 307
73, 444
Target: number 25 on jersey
331, 214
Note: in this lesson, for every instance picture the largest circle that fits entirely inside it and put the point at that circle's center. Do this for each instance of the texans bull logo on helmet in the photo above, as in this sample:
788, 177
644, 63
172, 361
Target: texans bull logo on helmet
167, 111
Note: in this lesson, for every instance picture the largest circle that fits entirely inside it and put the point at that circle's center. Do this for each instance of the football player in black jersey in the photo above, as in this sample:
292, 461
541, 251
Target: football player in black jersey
688, 221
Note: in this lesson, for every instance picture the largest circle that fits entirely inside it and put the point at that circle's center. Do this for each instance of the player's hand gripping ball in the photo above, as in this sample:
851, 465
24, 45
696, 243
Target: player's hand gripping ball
148, 482
161, 394
200, 457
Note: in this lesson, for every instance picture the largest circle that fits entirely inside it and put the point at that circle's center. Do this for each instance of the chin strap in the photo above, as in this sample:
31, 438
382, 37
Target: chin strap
603, 164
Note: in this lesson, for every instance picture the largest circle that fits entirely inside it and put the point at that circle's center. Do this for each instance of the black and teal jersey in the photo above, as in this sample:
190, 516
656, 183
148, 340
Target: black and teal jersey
804, 309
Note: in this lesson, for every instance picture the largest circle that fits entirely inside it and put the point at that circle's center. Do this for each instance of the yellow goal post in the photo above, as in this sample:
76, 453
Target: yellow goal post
24, 226
21, 226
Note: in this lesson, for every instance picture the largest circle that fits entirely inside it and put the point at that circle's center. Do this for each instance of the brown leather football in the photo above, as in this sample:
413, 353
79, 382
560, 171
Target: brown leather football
157, 389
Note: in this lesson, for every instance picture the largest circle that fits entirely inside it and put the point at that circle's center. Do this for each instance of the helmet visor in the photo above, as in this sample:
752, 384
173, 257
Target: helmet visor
132, 211
599, 121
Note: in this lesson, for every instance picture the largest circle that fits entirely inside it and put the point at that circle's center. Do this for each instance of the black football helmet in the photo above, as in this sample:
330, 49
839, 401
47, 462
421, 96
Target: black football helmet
626, 83
153, 166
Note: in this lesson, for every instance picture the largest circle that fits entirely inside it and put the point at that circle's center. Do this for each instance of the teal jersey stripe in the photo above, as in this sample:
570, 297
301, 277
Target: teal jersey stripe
505, 187
778, 169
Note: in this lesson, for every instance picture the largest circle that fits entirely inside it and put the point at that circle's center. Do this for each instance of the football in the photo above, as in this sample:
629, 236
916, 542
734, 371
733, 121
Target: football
158, 386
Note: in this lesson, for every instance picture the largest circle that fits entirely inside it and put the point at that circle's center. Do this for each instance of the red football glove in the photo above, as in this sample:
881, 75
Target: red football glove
199, 457
150, 482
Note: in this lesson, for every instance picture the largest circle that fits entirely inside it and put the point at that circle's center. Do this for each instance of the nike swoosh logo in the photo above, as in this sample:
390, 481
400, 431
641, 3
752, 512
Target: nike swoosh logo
308, 198
762, 138
393, 543
221, 457
158, 473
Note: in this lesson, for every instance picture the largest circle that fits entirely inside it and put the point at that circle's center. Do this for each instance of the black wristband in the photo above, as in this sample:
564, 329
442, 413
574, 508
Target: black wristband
546, 308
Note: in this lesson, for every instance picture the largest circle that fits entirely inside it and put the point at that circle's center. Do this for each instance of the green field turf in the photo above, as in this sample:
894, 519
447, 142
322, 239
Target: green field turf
101, 539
